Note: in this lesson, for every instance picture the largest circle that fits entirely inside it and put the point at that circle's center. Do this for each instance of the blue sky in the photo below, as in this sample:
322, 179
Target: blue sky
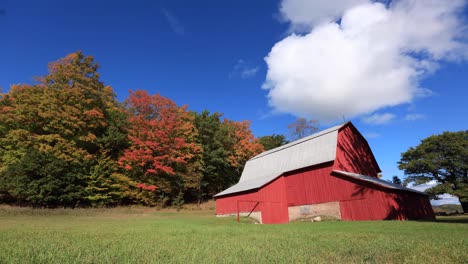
211, 55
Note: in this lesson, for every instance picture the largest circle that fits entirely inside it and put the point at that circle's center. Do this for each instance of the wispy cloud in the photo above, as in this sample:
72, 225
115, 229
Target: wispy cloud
244, 69
249, 72
371, 135
378, 119
413, 117
173, 21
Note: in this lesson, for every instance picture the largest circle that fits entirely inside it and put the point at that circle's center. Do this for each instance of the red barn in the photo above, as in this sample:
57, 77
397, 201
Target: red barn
331, 173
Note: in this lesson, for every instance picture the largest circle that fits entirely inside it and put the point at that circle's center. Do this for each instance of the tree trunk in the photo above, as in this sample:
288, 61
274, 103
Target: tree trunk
464, 206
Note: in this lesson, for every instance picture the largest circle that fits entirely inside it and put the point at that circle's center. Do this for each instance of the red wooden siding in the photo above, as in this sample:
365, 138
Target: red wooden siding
316, 185
228, 204
274, 206
311, 185
358, 200
272, 198
353, 154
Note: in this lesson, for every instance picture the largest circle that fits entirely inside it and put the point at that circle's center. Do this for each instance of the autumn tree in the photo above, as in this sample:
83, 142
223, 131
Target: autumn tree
443, 158
163, 150
67, 141
302, 127
245, 145
54, 134
272, 141
241, 146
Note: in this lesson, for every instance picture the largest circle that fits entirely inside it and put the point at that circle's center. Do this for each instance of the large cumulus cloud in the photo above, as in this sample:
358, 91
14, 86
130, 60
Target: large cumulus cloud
357, 57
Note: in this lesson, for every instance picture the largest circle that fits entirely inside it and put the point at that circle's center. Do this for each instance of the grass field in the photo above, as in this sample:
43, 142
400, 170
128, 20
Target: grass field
139, 235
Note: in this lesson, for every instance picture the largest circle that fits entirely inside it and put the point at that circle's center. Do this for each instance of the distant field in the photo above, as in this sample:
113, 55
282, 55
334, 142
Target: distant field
448, 209
139, 235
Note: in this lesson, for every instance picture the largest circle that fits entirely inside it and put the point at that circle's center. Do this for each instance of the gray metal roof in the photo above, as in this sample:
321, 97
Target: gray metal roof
377, 181
267, 166
249, 185
314, 149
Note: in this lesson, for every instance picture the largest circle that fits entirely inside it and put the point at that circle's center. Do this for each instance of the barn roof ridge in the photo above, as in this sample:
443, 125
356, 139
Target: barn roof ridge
301, 140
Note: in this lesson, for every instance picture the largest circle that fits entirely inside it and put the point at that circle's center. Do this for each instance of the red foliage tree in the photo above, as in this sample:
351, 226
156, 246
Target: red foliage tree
162, 138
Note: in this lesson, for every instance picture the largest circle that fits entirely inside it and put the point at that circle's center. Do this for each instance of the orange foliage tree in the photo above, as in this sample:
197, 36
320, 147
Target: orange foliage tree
244, 143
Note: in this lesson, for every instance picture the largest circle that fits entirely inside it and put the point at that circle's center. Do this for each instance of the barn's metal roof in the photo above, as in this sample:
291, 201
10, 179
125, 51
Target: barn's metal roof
377, 181
249, 185
314, 149
267, 166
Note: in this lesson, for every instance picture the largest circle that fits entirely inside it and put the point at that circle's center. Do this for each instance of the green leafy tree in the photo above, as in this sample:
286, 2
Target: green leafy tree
443, 158
272, 141
227, 145
62, 128
212, 137
396, 180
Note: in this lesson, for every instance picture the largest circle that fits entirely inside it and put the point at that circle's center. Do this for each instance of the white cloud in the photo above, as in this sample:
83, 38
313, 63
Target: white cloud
378, 119
374, 58
304, 14
412, 117
424, 186
443, 199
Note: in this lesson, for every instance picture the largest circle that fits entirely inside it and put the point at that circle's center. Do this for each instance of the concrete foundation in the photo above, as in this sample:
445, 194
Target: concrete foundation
331, 209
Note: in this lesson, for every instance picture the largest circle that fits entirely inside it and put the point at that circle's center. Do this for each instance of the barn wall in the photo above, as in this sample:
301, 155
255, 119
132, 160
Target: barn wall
353, 154
411, 206
315, 185
270, 200
274, 207
358, 200
228, 204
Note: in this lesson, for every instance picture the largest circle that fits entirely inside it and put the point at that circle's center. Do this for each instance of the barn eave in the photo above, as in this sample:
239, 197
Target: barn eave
376, 181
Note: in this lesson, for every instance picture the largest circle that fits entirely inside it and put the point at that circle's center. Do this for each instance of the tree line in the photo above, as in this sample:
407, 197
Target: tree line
66, 141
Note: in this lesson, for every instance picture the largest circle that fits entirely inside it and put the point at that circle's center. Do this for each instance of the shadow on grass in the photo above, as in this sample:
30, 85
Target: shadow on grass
458, 219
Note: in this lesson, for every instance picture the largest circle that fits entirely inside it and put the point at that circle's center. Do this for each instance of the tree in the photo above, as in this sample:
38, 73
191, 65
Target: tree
396, 180
302, 128
212, 137
272, 141
244, 145
55, 136
163, 149
227, 145
443, 158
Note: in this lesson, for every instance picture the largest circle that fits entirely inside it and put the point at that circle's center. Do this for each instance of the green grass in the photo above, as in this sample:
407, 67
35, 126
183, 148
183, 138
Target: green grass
139, 235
